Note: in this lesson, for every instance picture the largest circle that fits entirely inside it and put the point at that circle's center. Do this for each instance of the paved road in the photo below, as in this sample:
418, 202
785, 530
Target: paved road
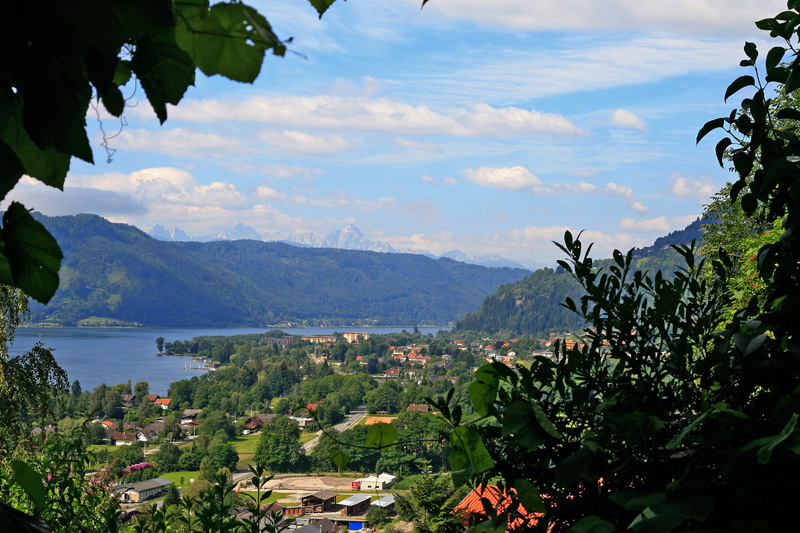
351, 420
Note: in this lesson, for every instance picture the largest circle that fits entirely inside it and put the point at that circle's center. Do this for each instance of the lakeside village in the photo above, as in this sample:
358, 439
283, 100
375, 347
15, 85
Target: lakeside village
266, 401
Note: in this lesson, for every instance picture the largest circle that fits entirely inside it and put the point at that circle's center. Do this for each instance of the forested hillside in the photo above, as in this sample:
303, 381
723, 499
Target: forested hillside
117, 271
532, 306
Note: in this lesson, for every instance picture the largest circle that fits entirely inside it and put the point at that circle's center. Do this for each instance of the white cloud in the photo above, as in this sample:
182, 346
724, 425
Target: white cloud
683, 187
382, 115
626, 193
625, 119
576, 64
177, 142
660, 224
268, 193
299, 143
510, 178
445, 181
700, 16
421, 146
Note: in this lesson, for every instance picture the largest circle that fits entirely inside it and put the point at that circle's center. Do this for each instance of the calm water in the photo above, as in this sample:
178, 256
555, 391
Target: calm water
109, 355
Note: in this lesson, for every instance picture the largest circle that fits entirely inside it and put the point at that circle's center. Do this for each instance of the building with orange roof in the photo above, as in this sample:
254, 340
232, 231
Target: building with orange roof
471, 508
163, 403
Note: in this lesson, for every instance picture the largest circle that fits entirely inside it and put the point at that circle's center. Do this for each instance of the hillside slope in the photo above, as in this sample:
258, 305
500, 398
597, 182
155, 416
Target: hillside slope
117, 271
532, 306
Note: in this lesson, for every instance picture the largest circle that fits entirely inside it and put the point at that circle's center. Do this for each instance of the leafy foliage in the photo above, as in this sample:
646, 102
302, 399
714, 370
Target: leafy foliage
60, 55
675, 414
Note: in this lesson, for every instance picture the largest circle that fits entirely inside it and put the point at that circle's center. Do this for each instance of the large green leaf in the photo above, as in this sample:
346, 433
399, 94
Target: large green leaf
583, 465
49, 166
230, 40
483, 391
30, 481
339, 458
468, 455
164, 70
381, 435
31, 255
19, 522
529, 496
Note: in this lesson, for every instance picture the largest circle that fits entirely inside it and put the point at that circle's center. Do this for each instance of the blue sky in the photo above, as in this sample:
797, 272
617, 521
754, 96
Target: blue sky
484, 126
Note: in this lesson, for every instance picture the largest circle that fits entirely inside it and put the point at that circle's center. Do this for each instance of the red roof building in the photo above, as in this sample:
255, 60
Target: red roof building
472, 509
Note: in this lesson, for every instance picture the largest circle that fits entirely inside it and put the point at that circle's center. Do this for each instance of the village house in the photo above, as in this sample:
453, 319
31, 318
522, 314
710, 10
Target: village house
387, 503
319, 502
380, 482
355, 504
189, 415
163, 403
392, 373
282, 341
123, 439
138, 492
421, 407
319, 339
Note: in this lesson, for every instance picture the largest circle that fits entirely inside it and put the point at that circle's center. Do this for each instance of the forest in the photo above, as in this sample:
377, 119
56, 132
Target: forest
117, 272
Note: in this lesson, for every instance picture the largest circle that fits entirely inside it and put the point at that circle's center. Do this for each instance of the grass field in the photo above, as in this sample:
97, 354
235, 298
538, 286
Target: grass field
307, 436
245, 443
175, 477
275, 496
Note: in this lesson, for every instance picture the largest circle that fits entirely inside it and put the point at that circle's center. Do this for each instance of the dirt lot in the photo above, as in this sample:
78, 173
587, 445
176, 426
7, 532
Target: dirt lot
311, 483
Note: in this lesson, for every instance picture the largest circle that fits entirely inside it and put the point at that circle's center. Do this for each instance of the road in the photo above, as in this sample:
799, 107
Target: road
352, 419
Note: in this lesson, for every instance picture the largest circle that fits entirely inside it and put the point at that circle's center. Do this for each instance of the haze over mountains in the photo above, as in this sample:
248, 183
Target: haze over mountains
118, 272
347, 238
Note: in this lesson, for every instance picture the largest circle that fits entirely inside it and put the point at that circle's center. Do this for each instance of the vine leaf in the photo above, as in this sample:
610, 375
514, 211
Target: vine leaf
483, 391
529, 496
468, 455
321, 5
339, 458
164, 70
31, 256
381, 435
592, 524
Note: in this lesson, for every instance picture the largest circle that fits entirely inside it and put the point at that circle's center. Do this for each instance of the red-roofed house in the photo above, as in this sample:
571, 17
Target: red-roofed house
163, 403
392, 373
421, 407
471, 508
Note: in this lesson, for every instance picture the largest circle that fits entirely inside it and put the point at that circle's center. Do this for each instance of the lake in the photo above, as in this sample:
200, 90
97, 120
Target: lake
116, 355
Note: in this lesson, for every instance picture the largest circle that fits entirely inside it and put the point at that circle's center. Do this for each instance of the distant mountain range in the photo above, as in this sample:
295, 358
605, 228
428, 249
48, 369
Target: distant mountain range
116, 272
347, 238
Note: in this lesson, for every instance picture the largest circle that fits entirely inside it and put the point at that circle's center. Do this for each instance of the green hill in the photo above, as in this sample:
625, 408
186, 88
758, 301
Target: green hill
532, 306
118, 272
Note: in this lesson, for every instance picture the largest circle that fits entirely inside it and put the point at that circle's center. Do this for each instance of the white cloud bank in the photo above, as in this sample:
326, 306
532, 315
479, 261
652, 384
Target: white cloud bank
683, 187
381, 115
519, 178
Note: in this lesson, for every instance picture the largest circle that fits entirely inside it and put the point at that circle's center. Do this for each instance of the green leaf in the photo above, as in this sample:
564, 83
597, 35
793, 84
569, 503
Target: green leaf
483, 391
592, 524
674, 443
339, 458
468, 455
722, 145
517, 421
164, 70
381, 435
750, 50
48, 166
529, 496
710, 126
767, 445
581, 465
544, 422
774, 57
738, 84
30, 481
229, 41
32, 256
749, 203
322, 5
